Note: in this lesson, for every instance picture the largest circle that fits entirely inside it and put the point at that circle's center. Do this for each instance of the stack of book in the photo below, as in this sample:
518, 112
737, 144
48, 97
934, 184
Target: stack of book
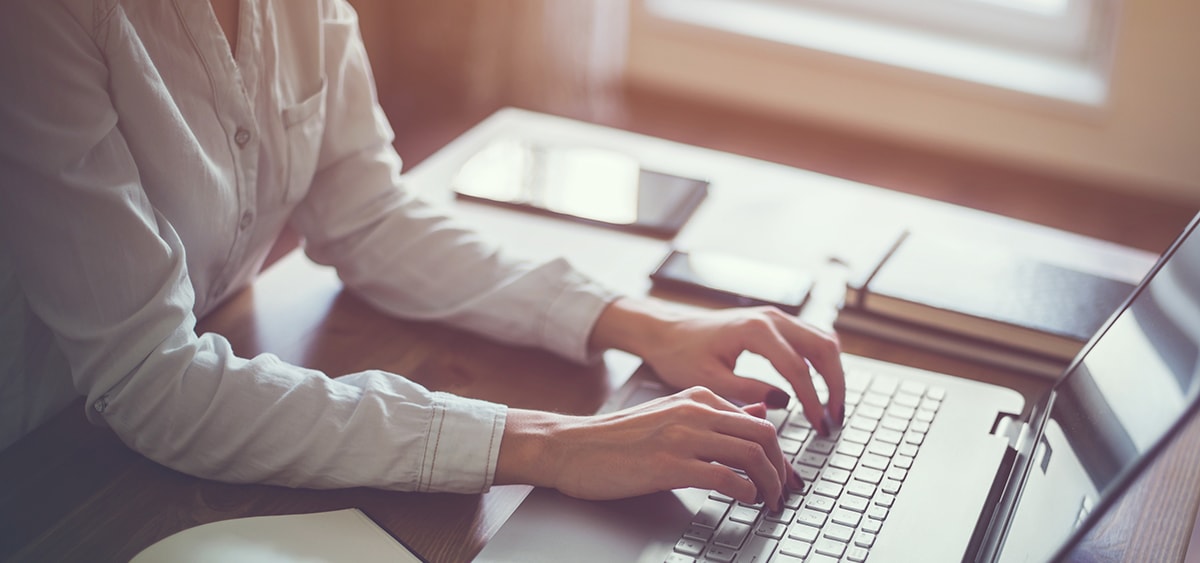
980, 301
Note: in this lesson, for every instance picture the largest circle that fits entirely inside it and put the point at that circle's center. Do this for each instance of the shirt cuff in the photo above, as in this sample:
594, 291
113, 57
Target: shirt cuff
572, 315
463, 445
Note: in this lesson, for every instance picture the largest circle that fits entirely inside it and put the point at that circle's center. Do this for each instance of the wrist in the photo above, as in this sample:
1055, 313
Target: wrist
528, 454
632, 325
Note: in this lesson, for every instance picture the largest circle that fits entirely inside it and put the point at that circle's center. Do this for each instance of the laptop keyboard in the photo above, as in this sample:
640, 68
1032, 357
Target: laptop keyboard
851, 482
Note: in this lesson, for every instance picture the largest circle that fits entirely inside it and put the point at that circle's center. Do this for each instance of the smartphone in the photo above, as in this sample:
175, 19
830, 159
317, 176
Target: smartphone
588, 184
733, 280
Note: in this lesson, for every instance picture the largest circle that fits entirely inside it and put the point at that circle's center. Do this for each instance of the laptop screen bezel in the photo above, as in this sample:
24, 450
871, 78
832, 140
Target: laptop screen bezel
1126, 477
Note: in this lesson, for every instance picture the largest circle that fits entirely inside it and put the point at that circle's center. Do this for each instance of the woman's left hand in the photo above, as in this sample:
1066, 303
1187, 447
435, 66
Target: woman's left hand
700, 347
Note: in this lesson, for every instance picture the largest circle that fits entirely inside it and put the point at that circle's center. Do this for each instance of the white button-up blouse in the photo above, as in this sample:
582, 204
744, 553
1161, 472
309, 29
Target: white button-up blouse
144, 174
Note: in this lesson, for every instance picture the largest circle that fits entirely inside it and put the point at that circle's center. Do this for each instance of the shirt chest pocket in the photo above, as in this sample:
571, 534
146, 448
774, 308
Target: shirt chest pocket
303, 126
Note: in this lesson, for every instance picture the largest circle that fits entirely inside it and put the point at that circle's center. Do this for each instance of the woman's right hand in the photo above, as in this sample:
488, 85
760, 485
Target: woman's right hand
664, 444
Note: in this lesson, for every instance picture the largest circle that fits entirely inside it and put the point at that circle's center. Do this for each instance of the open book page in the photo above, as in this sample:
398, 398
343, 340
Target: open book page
322, 537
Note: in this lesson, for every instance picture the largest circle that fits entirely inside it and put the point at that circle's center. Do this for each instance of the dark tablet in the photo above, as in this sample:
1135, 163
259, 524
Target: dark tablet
592, 185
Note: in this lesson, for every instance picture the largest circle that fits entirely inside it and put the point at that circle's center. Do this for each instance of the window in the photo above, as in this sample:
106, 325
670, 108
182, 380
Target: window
1060, 49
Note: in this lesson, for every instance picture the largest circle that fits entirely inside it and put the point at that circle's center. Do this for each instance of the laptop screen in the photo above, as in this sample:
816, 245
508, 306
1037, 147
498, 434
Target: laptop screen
1134, 383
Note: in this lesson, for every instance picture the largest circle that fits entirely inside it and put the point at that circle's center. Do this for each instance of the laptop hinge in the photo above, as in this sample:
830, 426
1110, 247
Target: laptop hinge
1017, 433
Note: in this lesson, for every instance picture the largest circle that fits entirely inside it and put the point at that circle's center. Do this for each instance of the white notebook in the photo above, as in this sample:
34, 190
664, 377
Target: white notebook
321, 537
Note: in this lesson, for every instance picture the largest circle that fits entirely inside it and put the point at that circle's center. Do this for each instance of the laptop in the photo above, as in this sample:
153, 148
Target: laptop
928, 467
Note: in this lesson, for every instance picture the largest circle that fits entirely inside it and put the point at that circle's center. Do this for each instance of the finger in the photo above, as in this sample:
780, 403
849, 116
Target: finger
747, 390
823, 351
761, 432
757, 410
772, 345
750, 457
717, 477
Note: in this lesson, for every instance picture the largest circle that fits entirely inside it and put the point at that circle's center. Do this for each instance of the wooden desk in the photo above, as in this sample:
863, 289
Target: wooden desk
72, 492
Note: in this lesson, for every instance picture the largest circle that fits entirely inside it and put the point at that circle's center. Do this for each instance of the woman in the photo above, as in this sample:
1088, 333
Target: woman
151, 153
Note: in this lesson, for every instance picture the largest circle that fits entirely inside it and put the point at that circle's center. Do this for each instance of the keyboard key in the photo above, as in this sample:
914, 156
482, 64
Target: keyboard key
757, 550
918, 426
845, 517
773, 530
782, 558
897, 474
868, 475
710, 513
826, 546
822, 446
861, 489
856, 554
890, 486
789, 446
909, 450
872, 526
720, 554
874, 399
885, 385
784, 516
795, 433
827, 488
856, 436
853, 397
698, 533
795, 548
877, 513
838, 532
915, 438
807, 473
842, 461
743, 514
901, 412
688, 546
804, 533
885, 500
864, 539
798, 420
888, 436
863, 423
858, 381
818, 502
869, 411
936, 393
731, 534
839, 476
820, 558
720, 497
812, 459
679, 558
811, 518
857, 504
875, 461
892, 423
930, 404
851, 449
902, 461
924, 415
906, 400
793, 500
881, 448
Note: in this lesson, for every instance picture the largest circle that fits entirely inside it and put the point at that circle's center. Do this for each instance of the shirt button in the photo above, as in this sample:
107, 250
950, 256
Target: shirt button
247, 219
241, 137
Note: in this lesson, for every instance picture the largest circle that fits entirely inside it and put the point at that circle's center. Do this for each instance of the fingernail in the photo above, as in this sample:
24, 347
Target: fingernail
777, 399
823, 426
795, 482
779, 505
841, 416
758, 498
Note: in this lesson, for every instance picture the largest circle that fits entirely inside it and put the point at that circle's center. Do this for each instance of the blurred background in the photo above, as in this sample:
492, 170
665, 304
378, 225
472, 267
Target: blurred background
1078, 114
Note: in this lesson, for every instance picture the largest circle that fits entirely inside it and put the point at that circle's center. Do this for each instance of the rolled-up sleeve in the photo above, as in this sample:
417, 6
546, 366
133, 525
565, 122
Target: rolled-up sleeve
405, 256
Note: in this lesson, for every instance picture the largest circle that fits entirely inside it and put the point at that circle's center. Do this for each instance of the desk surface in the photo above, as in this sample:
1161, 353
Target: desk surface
74, 492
